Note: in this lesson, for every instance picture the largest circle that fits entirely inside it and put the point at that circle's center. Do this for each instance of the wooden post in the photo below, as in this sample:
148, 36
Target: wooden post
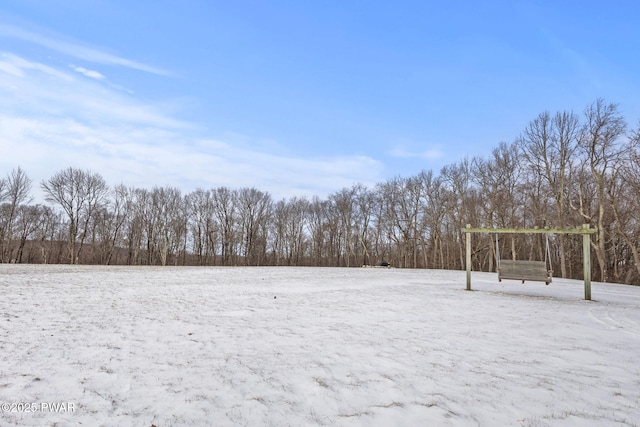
586, 253
468, 239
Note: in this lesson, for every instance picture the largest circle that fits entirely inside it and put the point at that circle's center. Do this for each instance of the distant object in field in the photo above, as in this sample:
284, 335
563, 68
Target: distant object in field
381, 264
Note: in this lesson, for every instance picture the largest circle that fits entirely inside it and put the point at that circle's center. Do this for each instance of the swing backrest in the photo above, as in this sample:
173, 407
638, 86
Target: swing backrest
524, 270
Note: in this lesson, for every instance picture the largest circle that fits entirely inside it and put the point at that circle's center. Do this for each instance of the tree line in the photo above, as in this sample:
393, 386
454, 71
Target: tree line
563, 170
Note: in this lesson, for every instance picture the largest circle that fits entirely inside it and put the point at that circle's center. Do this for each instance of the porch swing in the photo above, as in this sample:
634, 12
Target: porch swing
533, 271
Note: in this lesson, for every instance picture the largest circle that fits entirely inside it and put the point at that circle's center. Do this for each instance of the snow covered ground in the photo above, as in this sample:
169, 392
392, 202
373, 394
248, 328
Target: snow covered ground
142, 346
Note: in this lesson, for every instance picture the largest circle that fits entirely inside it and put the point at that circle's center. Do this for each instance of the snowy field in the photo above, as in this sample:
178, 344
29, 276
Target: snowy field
143, 346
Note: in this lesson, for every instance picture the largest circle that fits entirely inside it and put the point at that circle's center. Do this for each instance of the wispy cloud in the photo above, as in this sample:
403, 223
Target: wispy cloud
76, 49
89, 73
286, 175
577, 61
45, 89
16, 67
401, 151
53, 118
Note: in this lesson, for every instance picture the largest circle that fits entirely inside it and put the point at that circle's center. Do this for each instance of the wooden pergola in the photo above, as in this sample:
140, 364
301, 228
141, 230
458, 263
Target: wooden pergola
585, 230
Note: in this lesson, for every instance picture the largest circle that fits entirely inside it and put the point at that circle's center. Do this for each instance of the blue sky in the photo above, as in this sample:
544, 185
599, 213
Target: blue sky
298, 98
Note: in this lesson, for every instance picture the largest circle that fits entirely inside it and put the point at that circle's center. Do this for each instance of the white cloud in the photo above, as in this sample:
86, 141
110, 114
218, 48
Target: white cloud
401, 151
16, 66
233, 165
89, 73
9, 68
76, 50
52, 119
432, 154
45, 89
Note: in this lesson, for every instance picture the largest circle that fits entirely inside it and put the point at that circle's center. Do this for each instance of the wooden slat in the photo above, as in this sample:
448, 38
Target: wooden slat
524, 270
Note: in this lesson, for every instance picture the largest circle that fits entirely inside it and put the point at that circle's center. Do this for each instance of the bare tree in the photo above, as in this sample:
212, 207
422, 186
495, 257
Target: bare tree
624, 196
391, 228
334, 234
498, 180
201, 210
366, 202
226, 223
169, 223
79, 193
3, 186
412, 209
342, 202
17, 191
109, 224
3, 216
463, 208
254, 209
599, 144
278, 233
28, 220
150, 224
548, 145
318, 228
433, 211
288, 231
46, 233
135, 228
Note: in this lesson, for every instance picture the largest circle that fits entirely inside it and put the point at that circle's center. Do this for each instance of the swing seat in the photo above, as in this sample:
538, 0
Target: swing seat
534, 271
